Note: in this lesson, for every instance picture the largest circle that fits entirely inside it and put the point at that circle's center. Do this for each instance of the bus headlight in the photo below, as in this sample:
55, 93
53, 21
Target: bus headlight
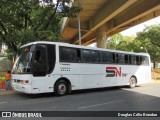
25, 81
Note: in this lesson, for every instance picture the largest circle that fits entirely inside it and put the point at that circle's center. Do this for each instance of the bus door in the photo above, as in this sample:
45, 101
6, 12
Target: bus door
43, 65
39, 68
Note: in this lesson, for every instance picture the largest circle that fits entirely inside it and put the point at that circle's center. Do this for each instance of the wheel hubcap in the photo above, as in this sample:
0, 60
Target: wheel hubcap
61, 88
133, 82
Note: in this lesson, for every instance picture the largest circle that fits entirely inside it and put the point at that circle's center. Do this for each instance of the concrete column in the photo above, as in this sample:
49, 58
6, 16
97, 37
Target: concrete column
101, 37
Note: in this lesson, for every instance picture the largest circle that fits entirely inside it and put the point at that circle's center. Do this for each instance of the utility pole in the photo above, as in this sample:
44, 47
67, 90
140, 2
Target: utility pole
79, 26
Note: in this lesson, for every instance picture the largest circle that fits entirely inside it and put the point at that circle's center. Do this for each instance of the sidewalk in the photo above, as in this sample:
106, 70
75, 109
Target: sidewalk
155, 81
6, 92
156, 76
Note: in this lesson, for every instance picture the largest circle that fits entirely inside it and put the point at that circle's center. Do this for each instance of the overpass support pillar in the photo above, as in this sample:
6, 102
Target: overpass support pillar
101, 37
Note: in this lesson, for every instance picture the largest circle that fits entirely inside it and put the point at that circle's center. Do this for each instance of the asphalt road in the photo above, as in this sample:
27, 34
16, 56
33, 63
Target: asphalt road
141, 98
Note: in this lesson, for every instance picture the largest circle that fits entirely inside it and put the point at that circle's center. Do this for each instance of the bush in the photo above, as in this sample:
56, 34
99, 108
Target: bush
5, 64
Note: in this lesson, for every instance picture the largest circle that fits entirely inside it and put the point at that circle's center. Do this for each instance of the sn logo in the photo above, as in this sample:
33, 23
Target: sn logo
113, 72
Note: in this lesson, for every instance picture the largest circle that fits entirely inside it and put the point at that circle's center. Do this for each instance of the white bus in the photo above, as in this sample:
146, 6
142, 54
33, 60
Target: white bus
61, 67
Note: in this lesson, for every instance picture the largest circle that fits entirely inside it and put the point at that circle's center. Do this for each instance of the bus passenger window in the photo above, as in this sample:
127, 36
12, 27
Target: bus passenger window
116, 58
138, 60
144, 60
126, 59
37, 56
129, 60
78, 59
87, 56
68, 54
107, 57
95, 56
133, 60
121, 58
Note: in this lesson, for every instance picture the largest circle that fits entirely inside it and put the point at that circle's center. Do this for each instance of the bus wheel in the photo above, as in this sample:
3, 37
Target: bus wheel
132, 82
60, 88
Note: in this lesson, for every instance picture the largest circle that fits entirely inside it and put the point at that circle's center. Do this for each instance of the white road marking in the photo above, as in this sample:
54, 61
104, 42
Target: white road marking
100, 104
3, 102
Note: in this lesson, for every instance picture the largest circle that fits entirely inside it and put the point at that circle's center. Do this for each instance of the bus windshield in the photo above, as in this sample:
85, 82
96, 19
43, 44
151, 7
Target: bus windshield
23, 61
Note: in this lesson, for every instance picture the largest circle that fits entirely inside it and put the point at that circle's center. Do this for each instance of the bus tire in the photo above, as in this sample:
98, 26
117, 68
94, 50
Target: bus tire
132, 82
60, 88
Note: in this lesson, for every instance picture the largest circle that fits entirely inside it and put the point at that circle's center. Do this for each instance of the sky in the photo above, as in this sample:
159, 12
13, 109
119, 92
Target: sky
138, 28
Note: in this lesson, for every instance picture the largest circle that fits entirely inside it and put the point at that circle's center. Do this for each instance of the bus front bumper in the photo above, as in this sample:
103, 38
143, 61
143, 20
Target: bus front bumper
22, 88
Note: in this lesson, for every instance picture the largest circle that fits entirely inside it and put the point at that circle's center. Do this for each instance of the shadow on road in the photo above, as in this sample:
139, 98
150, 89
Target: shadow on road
75, 92
82, 92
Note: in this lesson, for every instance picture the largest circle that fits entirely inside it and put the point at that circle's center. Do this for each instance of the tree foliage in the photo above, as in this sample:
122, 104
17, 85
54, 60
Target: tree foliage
124, 43
151, 34
114, 40
23, 21
146, 41
150, 40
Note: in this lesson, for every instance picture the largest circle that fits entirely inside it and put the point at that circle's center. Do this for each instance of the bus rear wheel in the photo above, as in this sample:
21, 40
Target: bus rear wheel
60, 88
132, 82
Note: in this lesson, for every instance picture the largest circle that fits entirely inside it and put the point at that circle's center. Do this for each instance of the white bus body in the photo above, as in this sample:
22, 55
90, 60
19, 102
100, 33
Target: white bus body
62, 72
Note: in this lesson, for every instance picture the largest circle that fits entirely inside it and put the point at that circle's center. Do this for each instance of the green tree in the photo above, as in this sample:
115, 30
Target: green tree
150, 41
23, 21
124, 43
150, 34
114, 40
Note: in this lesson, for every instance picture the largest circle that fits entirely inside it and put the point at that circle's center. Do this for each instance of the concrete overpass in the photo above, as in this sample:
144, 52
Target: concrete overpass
100, 19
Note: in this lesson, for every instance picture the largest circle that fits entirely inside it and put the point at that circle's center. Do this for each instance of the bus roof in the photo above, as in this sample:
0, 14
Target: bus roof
42, 42
79, 46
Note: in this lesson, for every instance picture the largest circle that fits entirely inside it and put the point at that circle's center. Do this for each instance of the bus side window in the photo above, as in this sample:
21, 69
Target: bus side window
138, 60
121, 58
126, 59
87, 56
78, 58
133, 60
51, 57
73, 55
115, 58
144, 60
37, 56
40, 61
40, 56
129, 59
95, 56
68, 54
106, 57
